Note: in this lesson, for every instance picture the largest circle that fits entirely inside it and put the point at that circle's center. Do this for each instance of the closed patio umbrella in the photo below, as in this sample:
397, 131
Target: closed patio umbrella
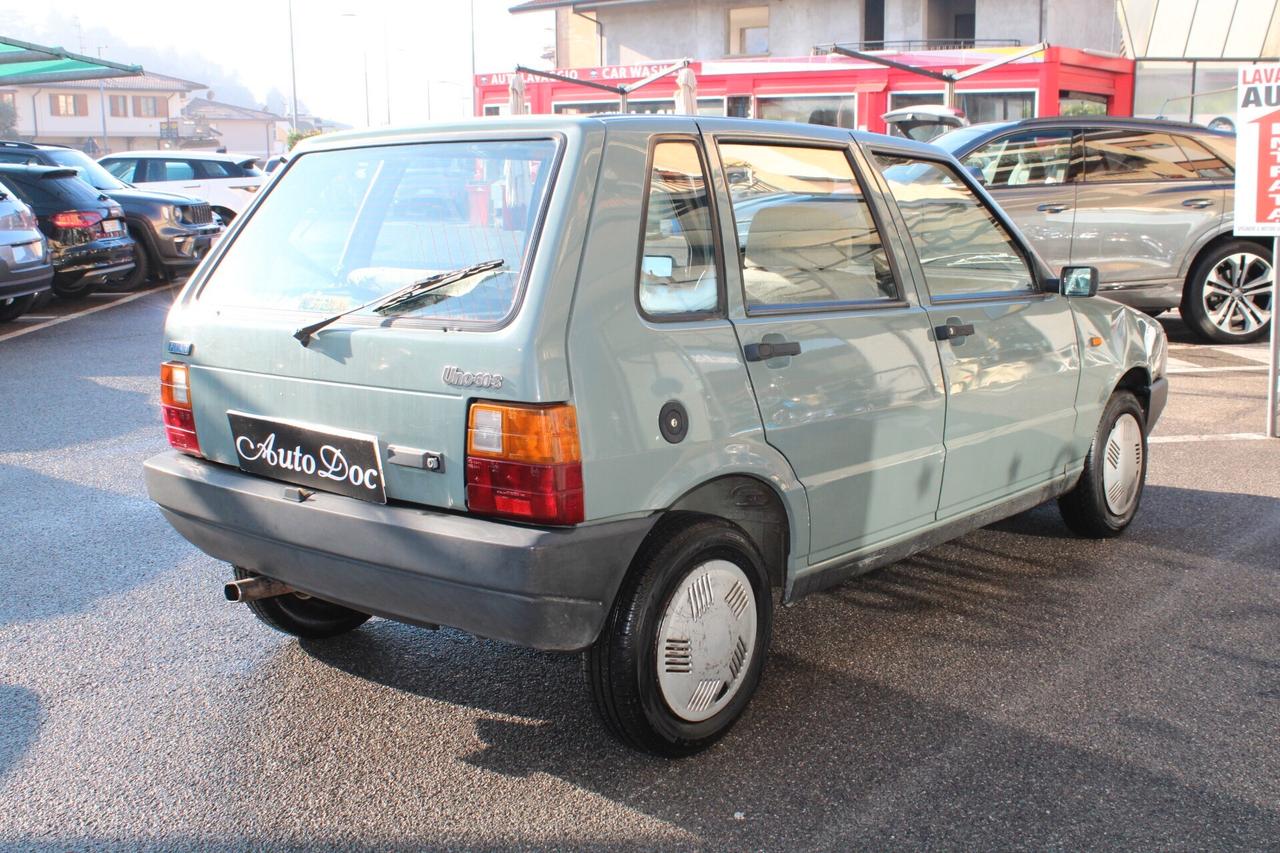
686, 92
516, 105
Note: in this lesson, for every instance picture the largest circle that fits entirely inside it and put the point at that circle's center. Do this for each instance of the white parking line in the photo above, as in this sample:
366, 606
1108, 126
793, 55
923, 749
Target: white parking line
1226, 436
1192, 369
56, 320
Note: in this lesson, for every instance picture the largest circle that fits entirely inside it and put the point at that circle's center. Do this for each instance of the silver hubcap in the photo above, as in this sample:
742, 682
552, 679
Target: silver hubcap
1122, 464
705, 640
1237, 293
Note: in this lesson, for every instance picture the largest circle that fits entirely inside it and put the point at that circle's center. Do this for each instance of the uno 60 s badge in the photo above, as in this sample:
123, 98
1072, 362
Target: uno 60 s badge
347, 463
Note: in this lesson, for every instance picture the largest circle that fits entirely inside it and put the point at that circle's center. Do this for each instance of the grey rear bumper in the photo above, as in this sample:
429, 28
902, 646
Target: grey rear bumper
548, 588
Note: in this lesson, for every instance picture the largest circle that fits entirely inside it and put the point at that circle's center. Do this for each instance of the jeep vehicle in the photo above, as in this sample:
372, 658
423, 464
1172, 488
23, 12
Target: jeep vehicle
171, 232
642, 376
226, 181
1149, 202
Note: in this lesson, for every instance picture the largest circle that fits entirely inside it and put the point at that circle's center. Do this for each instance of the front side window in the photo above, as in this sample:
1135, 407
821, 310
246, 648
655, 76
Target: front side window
749, 31
963, 249
1134, 155
678, 260
1029, 158
342, 228
806, 237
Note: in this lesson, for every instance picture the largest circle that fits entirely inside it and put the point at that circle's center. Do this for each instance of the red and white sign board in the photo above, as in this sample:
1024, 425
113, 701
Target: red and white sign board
1258, 150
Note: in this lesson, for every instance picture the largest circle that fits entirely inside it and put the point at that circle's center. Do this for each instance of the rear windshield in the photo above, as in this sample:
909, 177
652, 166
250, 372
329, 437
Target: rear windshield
60, 193
341, 228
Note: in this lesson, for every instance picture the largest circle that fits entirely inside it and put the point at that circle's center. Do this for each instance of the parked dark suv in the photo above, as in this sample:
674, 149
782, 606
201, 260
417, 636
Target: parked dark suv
173, 232
87, 235
25, 271
1148, 202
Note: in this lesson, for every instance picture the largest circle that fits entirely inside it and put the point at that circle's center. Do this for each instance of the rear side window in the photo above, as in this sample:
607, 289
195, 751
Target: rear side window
1206, 163
1134, 155
678, 260
125, 170
1029, 158
806, 237
964, 250
214, 169
17, 157
342, 228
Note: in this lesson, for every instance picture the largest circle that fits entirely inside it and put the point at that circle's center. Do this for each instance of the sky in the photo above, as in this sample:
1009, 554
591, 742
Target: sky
241, 48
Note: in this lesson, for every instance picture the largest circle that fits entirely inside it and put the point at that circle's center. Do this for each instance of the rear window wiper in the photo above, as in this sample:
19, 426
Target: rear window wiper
403, 299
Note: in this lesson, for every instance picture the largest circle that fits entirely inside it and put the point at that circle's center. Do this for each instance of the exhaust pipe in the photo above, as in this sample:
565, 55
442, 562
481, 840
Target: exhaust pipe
252, 589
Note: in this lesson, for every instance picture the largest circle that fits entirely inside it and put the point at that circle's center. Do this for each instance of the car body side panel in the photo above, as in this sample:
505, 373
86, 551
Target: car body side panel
624, 369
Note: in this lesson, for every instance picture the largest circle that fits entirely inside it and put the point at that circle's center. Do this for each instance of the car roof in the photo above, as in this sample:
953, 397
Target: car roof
552, 123
1102, 121
183, 153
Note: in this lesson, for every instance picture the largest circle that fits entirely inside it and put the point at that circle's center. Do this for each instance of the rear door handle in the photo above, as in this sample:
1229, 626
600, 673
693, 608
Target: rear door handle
1053, 207
1198, 203
953, 330
766, 350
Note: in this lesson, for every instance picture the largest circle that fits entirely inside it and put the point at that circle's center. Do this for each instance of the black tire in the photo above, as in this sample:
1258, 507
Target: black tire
137, 278
12, 309
72, 288
1196, 313
43, 298
1085, 508
303, 616
622, 665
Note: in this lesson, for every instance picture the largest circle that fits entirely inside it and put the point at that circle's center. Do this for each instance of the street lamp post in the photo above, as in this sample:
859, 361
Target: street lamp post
102, 105
293, 76
368, 119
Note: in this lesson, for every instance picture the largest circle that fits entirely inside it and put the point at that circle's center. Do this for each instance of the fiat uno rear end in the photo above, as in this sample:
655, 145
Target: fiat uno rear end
613, 384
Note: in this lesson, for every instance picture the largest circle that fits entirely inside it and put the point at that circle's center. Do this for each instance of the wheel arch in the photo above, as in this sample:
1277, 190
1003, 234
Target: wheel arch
1213, 244
140, 230
1137, 380
749, 502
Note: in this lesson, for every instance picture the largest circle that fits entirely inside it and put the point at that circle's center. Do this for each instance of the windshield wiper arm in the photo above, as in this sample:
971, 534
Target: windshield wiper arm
396, 300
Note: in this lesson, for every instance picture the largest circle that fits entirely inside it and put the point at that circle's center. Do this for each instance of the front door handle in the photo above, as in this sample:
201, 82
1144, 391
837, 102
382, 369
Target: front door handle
1198, 203
766, 350
1053, 207
952, 331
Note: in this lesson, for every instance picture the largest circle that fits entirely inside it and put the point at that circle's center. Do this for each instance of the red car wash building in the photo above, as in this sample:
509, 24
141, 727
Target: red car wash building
839, 90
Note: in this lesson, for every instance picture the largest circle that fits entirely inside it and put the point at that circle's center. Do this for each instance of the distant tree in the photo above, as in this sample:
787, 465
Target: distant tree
8, 119
296, 136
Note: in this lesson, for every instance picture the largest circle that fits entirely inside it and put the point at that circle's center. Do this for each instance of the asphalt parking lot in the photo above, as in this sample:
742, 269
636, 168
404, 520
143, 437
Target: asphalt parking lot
1019, 688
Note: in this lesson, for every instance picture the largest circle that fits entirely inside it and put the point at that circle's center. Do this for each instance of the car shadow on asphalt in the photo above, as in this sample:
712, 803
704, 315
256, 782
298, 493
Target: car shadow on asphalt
20, 720
838, 756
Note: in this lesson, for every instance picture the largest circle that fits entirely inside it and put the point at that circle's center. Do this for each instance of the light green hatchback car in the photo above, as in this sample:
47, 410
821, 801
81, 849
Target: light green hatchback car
619, 384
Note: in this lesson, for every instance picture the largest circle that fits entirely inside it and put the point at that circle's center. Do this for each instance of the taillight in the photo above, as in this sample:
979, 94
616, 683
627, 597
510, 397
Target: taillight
175, 407
76, 219
525, 462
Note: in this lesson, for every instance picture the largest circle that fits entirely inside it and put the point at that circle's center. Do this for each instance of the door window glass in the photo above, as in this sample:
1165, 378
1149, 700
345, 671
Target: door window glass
678, 262
1134, 155
124, 169
805, 232
963, 249
171, 170
1206, 163
1030, 158
215, 169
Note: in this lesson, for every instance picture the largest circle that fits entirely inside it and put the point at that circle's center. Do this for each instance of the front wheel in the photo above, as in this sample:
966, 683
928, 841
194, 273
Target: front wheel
12, 309
1106, 499
1228, 296
301, 615
683, 649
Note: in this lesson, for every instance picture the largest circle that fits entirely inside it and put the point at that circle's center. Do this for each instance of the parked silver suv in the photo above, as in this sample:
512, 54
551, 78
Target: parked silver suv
1147, 202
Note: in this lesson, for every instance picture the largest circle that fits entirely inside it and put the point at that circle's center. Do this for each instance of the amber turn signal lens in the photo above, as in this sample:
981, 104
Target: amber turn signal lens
540, 435
175, 408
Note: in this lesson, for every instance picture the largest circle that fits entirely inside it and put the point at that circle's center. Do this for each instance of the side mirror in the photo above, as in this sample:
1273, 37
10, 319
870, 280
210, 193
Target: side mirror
1079, 281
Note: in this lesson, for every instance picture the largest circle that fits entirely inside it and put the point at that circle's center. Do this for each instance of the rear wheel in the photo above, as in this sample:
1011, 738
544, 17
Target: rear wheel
1106, 499
683, 649
1228, 296
12, 309
302, 615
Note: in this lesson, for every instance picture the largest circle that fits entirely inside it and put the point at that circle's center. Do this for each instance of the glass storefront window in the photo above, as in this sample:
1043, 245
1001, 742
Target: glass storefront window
1162, 89
996, 106
831, 110
664, 106
899, 100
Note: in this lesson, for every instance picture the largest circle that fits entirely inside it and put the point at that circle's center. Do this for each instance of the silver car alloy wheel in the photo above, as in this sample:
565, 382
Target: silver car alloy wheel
706, 639
1237, 293
1122, 464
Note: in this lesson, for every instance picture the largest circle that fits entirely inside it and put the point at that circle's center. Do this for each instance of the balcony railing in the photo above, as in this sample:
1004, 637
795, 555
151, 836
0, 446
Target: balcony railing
908, 45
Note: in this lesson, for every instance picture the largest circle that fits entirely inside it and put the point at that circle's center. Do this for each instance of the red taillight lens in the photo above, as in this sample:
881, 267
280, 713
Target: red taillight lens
175, 408
524, 462
76, 219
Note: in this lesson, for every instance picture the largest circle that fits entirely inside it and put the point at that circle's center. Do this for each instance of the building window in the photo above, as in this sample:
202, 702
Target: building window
150, 107
9, 99
996, 106
748, 31
69, 105
119, 106
831, 110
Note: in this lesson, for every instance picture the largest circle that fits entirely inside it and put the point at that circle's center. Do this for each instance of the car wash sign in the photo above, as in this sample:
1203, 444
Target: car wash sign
1258, 150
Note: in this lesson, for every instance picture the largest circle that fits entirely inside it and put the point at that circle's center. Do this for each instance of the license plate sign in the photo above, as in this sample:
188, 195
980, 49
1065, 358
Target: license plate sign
346, 463
111, 227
